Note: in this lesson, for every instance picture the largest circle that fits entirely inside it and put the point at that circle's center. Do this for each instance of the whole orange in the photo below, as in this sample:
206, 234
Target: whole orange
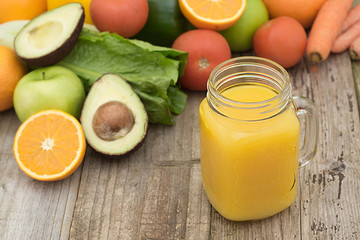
302, 10
21, 9
12, 69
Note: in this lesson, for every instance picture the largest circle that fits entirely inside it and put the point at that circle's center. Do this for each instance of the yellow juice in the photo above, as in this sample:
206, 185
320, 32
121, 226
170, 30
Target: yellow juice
249, 169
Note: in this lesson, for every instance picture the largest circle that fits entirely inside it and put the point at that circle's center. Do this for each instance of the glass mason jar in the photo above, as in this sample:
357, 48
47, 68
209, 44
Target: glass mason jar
250, 138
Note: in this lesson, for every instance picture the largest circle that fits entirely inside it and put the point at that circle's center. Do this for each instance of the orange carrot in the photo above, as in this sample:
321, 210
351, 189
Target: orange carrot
325, 28
352, 17
355, 49
344, 40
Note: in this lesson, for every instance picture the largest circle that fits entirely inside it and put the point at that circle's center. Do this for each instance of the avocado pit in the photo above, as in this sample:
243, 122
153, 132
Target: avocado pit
112, 120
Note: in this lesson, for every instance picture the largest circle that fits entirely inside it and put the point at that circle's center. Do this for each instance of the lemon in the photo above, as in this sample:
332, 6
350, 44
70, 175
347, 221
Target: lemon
51, 4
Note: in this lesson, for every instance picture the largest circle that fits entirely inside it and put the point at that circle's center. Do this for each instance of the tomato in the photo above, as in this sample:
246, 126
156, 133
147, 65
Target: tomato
207, 49
282, 39
124, 17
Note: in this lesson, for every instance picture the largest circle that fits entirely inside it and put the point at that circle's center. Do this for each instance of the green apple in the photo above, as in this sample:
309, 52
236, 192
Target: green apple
240, 35
51, 87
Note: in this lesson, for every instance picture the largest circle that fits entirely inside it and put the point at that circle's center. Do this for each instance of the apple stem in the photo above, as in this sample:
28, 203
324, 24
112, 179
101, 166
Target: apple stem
43, 74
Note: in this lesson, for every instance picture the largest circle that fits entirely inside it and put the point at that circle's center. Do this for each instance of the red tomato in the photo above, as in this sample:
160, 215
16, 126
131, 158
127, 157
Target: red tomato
207, 49
282, 39
124, 17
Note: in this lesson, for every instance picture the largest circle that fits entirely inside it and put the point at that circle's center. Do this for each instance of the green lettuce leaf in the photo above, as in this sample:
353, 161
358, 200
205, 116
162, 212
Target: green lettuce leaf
152, 71
167, 52
177, 100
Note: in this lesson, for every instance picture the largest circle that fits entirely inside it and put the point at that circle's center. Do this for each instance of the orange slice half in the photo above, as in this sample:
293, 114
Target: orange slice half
50, 145
212, 14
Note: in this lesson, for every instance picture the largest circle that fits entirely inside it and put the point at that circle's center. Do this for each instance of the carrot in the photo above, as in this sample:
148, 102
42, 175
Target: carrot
325, 28
354, 49
352, 17
344, 40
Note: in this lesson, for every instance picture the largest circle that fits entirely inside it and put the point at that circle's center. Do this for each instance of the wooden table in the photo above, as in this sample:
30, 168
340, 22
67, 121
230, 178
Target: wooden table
156, 193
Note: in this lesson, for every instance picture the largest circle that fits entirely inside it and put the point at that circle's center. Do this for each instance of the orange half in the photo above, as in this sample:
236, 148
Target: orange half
50, 145
212, 14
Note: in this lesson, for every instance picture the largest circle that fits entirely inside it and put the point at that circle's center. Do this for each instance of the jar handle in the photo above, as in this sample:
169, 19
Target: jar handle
306, 109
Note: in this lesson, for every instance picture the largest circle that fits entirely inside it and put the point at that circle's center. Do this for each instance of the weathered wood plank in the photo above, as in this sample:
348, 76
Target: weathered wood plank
31, 209
329, 185
155, 193
356, 72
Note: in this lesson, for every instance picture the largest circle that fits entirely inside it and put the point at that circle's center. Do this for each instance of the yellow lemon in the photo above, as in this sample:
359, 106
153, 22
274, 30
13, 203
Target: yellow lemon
51, 4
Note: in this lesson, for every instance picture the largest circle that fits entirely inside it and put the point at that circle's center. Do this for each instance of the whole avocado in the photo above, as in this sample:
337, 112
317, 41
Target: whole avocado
164, 24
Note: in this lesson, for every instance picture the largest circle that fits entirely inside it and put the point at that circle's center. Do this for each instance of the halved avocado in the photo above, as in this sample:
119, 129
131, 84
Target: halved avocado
51, 36
113, 117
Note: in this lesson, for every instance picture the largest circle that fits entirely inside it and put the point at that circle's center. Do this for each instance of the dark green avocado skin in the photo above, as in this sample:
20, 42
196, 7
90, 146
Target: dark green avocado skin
165, 23
60, 53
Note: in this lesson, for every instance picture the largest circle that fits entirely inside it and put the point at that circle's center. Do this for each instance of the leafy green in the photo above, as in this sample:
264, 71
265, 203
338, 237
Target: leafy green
167, 52
177, 100
152, 71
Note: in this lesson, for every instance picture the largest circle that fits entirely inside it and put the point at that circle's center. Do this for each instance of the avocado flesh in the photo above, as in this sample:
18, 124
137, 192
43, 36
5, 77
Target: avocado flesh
51, 36
112, 88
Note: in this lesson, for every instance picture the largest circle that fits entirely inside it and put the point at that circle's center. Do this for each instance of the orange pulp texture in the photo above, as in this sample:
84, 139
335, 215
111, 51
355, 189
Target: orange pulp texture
49, 145
210, 14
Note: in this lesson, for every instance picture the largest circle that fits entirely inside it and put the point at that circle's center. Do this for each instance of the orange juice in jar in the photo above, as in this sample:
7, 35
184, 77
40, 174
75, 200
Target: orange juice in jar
249, 138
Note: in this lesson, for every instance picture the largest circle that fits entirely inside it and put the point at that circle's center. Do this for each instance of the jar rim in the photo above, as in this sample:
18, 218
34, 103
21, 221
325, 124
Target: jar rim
244, 60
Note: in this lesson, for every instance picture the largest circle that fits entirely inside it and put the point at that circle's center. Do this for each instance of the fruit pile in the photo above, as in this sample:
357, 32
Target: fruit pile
100, 70
280, 30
